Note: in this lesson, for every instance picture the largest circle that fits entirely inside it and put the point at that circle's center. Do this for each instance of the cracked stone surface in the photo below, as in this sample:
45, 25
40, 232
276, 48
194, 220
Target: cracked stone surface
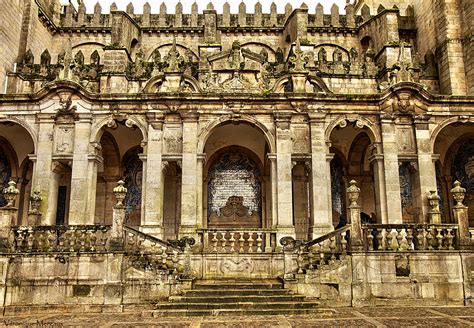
334, 317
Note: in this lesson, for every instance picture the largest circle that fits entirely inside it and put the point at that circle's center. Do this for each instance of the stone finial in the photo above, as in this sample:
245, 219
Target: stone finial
288, 10
298, 59
458, 193
304, 6
257, 17
194, 14
45, 59
10, 193
162, 15
365, 12
146, 14
350, 15
273, 14
242, 14
69, 15
380, 9
97, 13
434, 213
35, 202
113, 6
81, 14
335, 16
226, 14
120, 192
210, 6
319, 17
410, 11
130, 10
353, 193
178, 17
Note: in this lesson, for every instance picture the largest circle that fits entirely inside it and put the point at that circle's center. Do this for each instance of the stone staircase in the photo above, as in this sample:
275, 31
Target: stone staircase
235, 297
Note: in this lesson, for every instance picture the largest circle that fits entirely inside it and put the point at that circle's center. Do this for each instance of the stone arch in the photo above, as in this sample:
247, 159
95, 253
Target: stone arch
210, 127
26, 126
130, 120
444, 124
154, 83
360, 122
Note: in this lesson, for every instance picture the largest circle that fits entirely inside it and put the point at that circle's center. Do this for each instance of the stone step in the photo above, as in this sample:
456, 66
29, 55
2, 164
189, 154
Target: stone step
238, 298
237, 305
237, 284
235, 292
228, 312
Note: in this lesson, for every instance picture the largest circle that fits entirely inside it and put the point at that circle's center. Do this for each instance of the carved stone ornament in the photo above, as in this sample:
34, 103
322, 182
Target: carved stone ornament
234, 213
10, 193
35, 202
120, 192
66, 107
458, 193
353, 193
403, 104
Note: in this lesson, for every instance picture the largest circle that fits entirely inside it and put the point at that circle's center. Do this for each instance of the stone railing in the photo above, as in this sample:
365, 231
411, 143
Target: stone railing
410, 237
226, 240
68, 239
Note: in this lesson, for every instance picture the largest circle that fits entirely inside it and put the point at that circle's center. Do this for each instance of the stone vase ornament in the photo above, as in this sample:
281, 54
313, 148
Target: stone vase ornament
458, 193
120, 192
353, 193
35, 202
10, 193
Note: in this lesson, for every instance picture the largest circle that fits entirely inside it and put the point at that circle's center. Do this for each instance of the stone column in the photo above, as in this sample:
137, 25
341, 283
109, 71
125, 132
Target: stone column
273, 181
80, 188
189, 185
460, 215
44, 179
320, 178
392, 180
152, 220
353, 193
199, 188
285, 226
94, 161
379, 182
426, 166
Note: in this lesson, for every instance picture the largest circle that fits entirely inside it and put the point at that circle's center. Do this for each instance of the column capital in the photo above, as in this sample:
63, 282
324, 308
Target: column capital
282, 120
155, 120
189, 116
272, 157
316, 117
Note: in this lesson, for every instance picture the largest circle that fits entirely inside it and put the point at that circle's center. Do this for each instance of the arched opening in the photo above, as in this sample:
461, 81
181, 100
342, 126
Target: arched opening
120, 149
236, 185
351, 147
455, 146
16, 144
301, 200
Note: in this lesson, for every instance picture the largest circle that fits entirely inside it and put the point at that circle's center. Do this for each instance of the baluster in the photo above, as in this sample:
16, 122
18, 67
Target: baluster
19, 240
343, 245
310, 258
332, 247
410, 244
399, 238
449, 238
429, 238
300, 260
322, 260
232, 242
214, 241
259, 242
421, 239
251, 242
393, 240
241, 242
439, 238
370, 239
30, 239
380, 235
403, 244
93, 240
223, 242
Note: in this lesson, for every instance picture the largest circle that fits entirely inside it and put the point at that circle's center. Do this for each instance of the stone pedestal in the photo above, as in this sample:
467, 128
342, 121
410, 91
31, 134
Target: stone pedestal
7, 217
460, 216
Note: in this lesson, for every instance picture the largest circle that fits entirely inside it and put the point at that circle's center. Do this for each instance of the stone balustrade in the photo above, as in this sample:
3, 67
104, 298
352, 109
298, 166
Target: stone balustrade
238, 240
67, 239
410, 237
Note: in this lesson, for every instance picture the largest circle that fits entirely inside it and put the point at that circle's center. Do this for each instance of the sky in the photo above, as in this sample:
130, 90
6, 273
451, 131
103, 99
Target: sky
218, 4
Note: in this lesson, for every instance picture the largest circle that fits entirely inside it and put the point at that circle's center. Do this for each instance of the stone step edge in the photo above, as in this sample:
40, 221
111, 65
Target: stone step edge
230, 312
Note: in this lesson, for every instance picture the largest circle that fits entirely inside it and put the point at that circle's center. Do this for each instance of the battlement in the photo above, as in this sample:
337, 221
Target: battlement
70, 17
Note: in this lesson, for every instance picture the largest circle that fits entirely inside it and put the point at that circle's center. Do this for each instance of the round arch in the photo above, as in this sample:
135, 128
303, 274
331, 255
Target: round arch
441, 126
32, 133
207, 131
131, 120
360, 122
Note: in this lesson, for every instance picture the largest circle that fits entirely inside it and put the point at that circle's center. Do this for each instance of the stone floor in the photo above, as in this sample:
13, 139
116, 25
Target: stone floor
333, 317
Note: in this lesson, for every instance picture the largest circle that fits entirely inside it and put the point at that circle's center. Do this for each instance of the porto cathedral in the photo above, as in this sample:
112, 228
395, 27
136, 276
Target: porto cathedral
328, 151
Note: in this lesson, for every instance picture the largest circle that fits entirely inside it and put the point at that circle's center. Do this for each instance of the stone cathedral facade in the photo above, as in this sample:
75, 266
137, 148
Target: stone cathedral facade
236, 138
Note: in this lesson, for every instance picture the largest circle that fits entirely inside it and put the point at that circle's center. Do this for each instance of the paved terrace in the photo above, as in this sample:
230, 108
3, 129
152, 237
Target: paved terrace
327, 317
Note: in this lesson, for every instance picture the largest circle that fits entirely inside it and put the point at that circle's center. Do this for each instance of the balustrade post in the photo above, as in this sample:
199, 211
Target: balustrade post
8, 214
118, 217
34, 215
353, 193
460, 214
434, 214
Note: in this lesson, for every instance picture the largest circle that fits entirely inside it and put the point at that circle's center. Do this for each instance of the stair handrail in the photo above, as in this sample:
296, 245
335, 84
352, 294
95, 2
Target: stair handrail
327, 236
177, 244
147, 236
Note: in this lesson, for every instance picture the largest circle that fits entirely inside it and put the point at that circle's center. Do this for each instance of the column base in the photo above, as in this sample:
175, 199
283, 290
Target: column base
153, 230
319, 230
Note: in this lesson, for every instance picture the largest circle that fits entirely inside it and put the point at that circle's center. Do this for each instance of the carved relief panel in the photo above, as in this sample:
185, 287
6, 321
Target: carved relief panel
301, 139
406, 139
173, 140
64, 139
